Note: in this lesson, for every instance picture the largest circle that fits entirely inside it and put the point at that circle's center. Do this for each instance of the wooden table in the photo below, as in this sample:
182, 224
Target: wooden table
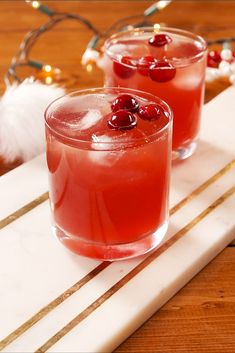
201, 317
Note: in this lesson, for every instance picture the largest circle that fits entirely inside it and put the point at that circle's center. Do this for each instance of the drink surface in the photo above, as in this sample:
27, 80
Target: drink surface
106, 186
180, 82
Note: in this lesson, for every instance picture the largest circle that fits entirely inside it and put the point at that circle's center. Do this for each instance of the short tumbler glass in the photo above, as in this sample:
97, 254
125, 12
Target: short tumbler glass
169, 63
109, 176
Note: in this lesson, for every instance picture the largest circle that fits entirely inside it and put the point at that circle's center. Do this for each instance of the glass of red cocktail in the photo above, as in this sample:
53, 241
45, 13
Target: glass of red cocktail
109, 156
166, 62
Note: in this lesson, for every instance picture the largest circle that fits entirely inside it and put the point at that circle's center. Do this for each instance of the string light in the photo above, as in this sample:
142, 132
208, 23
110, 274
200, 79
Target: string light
38, 6
91, 54
157, 6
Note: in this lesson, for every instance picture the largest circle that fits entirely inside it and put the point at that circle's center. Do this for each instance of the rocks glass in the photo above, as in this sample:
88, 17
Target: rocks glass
109, 157
169, 63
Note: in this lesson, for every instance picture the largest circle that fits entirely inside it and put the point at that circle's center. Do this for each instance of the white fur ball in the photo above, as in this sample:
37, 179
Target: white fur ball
22, 119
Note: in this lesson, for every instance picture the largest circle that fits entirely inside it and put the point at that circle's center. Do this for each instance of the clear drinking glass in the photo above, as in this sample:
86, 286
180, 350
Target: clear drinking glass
169, 63
109, 168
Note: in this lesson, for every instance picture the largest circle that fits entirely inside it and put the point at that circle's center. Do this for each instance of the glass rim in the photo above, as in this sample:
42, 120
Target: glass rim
80, 143
178, 62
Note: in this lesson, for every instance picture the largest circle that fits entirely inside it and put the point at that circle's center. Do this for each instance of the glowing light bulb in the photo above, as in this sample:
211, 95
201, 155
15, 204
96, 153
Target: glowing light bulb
48, 80
89, 67
89, 56
47, 68
162, 4
35, 4
156, 27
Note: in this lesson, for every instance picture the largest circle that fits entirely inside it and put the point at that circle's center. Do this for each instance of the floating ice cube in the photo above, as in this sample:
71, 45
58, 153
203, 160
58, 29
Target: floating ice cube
188, 80
105, 158
103, 142
90, 119
105, 150
86, 103
117, 49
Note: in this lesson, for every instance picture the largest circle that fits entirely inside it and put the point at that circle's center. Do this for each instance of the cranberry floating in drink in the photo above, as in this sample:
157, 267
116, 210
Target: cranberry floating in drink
109, 156
166, 62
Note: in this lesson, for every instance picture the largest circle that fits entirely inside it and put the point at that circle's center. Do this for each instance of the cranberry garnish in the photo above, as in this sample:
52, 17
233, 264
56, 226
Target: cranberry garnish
122, 120
159, 40
215, 55
211, 62
162, 71
213, 58
121, 69
144, 64
150, 112
125, 101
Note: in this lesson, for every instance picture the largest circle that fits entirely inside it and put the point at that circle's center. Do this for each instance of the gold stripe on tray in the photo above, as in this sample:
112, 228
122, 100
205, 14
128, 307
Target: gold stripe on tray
97, 303
57, 301
23, 210
52, 305
203, 186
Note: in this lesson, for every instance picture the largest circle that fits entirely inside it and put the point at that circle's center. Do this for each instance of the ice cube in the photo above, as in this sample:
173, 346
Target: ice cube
105, 158
118, 49
105, 152
87, 102
188, 80
89, 119
102, 142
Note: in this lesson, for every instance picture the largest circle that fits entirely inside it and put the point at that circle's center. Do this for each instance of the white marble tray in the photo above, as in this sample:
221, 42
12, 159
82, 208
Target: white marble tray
52, 300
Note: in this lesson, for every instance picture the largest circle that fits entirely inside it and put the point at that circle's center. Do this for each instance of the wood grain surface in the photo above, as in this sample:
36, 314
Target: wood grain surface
201, 317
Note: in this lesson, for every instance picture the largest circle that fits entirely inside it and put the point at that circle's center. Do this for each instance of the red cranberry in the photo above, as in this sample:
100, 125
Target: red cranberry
211, 62
125, 101
215, 55
162, 71
123, 69
213, 59
150, 112
159, 40
122, 120
144, 64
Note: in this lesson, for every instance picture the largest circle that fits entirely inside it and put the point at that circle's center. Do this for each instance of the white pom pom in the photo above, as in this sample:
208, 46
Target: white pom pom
224, 68
232, 79
212, 74
226, 54
22, 119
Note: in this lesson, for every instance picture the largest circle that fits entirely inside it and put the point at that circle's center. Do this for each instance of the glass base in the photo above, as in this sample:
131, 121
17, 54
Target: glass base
112, 252
185, 151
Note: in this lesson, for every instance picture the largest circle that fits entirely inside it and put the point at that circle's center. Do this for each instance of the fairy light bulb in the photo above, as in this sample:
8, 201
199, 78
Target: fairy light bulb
157, 6
47, 68
162, 4
35, 4
89, 67
226, 53
48, 80
156, 27
89, 57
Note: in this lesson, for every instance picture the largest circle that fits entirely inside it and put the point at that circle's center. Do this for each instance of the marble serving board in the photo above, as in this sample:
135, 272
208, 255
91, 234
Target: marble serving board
54, 301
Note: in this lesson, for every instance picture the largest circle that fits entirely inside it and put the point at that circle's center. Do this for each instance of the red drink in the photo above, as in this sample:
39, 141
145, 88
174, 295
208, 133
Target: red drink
109, 165
169, 63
